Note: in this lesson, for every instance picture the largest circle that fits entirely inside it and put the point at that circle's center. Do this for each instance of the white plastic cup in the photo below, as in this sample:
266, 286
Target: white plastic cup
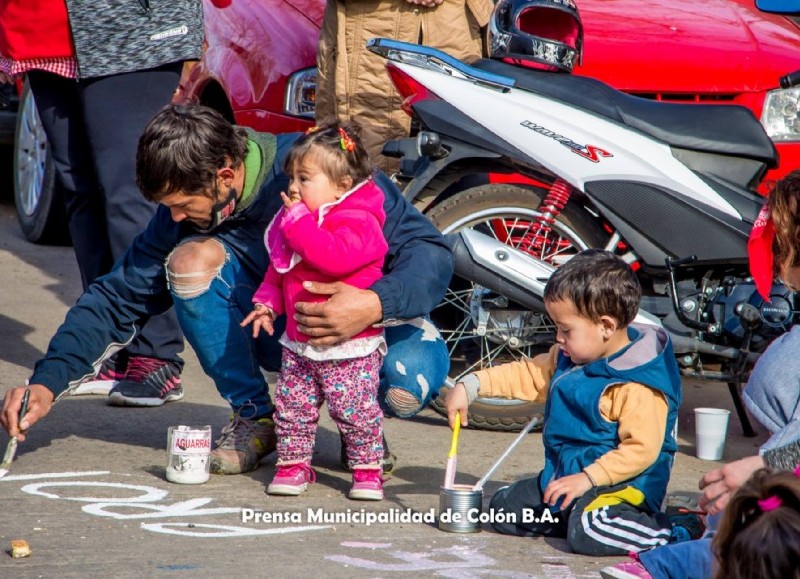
188, 454
711, 428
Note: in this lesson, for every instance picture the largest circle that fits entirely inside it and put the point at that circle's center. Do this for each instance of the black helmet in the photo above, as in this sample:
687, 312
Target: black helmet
545, 34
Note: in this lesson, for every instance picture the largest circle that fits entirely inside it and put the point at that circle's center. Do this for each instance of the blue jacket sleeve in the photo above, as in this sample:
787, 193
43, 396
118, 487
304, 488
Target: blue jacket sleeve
419, 263
108, 314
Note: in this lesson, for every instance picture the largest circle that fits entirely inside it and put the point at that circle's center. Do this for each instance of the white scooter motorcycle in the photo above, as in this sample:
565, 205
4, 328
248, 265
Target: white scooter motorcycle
669, 187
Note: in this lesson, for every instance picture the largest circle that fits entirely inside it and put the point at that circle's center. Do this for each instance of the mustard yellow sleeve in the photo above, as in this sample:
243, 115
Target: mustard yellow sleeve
527, 379
641, 413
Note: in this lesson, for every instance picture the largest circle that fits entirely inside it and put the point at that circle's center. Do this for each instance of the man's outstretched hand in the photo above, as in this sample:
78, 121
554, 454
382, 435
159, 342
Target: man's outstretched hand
39, 404
347, 312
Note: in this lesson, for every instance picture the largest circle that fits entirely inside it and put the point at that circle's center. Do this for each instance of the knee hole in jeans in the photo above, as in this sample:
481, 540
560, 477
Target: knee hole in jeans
193, 265
402, 402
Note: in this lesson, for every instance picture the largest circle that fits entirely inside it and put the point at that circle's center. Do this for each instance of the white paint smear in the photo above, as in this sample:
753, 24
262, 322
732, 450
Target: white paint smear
17, 477
220, 531
149, 494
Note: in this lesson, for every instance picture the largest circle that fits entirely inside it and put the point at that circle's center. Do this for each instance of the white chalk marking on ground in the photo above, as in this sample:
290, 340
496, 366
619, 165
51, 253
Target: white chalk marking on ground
358, 545
223, 530
457, 558
151, 494
180, 509
18, 477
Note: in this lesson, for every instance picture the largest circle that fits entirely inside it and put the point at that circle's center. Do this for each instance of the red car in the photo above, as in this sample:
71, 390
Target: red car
258, 70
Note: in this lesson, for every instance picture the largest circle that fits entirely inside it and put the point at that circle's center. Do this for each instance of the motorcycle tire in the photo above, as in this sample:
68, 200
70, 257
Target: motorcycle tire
477, 207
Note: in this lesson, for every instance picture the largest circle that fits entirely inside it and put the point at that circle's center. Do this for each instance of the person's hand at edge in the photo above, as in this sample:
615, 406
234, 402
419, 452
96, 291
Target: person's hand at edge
39, 404
347, 311
719, 484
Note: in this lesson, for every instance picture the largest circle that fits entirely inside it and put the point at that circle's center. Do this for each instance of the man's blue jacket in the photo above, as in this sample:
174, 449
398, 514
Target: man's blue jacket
418, 268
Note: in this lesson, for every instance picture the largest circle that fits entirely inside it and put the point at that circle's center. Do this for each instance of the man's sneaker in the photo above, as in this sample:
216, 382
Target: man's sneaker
111, 372
147, 382
632, 569
291, 479
687, 527
388, 457
367, 484
243, 443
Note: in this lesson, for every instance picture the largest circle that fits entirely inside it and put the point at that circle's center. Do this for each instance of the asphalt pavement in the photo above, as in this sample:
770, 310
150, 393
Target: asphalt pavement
89, 494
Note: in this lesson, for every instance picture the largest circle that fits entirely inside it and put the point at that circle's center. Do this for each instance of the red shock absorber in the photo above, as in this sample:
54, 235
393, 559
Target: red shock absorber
549, 210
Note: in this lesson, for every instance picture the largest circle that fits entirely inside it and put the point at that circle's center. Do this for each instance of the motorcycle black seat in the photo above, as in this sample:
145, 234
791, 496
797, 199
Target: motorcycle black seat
722, 129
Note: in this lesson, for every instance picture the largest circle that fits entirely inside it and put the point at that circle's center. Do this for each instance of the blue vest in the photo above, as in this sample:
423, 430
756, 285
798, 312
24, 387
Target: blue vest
576, 435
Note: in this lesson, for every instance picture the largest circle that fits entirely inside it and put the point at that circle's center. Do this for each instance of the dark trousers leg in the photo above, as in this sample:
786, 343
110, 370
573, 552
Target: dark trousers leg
59, 105
117, 109
533, 518
610, 521
94, 127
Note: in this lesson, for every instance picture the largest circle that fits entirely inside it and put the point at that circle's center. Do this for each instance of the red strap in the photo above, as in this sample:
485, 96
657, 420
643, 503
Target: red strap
759, 249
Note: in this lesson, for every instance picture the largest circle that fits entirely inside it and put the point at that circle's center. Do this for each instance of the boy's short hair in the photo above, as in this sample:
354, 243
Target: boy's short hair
598, 283
182, 148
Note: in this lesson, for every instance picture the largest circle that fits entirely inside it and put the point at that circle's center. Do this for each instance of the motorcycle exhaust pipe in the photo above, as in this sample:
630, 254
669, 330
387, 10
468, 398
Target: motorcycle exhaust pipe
494, 265
508, 271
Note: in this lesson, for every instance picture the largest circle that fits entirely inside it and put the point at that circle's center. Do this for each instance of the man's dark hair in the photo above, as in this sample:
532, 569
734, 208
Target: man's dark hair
182, 148
598, 283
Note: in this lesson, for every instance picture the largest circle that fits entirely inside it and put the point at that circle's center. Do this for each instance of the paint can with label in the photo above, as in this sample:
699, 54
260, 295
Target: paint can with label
460, 509
188, 454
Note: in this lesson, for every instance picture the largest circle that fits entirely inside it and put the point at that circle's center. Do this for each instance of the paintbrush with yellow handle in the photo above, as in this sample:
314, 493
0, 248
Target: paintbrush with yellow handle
450, 470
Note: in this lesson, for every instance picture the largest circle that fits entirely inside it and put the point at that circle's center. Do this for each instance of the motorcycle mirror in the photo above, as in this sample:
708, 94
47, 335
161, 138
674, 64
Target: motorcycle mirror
779, 6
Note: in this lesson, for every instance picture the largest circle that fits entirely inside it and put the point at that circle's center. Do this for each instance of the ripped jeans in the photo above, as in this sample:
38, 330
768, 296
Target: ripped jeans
213, 294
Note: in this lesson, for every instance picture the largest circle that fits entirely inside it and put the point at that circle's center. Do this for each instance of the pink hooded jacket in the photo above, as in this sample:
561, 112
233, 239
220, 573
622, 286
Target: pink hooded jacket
341, 241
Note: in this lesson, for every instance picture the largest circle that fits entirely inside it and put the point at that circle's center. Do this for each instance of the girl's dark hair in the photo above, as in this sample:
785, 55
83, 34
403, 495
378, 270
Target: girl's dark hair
336, 161
182, 148
784, 209
758, 542
597, 283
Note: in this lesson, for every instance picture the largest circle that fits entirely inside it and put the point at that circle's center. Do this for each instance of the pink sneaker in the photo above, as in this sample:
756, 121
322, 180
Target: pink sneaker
367, 484
632, 569
292, 479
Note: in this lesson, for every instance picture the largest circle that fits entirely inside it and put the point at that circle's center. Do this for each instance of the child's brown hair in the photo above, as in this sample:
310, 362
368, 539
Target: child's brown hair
598, 283
759, 535
784, 210
339, 149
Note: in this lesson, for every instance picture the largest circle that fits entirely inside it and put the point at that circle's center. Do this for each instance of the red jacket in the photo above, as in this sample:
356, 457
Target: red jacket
343, 241
34, 29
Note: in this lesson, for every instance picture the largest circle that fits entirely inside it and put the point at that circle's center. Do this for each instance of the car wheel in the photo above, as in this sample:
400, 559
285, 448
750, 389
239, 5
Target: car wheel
39, 200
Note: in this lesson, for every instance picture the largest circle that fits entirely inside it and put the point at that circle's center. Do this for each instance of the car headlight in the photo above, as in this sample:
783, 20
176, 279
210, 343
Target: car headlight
301, 93
781, 116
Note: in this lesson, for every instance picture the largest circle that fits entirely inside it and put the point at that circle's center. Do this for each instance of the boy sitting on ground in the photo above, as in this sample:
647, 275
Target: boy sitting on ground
613, 390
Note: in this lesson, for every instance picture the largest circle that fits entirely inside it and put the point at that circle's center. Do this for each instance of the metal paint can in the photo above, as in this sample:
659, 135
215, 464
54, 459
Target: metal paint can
188, 454
460, 509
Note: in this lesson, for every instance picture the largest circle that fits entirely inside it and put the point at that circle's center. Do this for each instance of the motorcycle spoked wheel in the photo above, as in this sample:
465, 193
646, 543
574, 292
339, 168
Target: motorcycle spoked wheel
507, 212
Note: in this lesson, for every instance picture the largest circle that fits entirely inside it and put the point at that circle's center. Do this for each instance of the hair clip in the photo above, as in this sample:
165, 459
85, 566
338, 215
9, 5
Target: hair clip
770, 503
313, 129
346, 142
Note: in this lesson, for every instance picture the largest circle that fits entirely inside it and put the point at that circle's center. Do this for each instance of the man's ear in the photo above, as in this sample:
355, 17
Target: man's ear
226, 174
610, 325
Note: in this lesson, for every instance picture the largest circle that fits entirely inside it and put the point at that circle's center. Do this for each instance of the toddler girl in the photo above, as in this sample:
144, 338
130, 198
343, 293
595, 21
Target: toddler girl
759, 536
330, 229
